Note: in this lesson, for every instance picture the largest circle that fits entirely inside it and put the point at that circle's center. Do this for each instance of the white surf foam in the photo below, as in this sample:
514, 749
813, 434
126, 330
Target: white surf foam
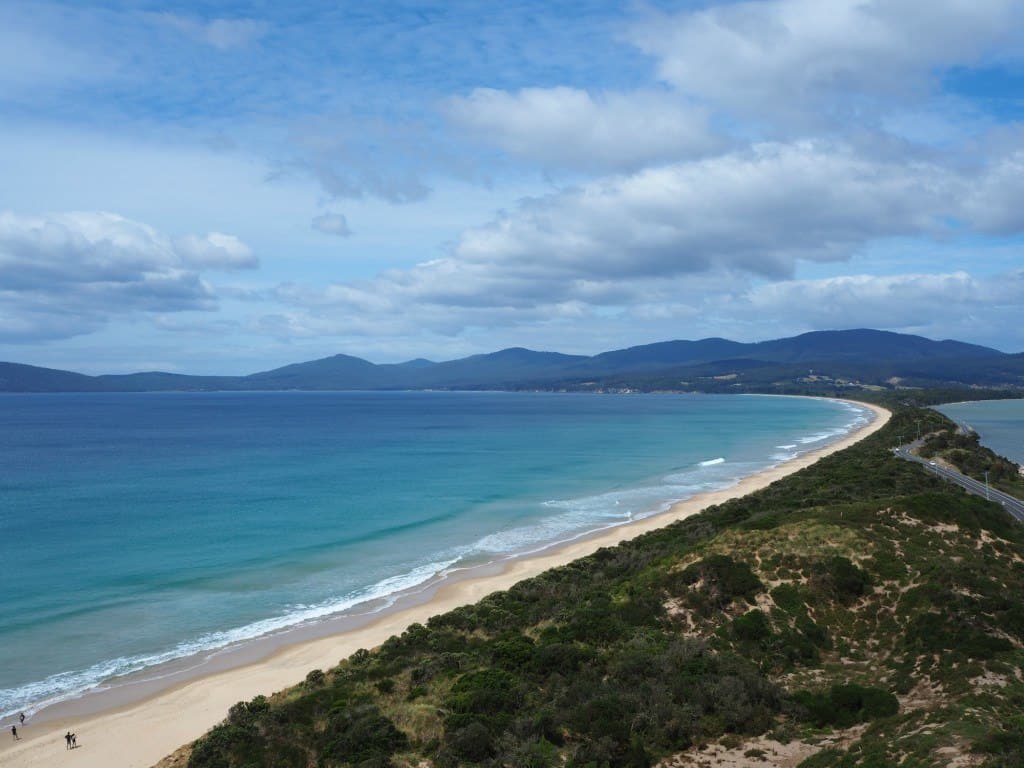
63, 686
577, 517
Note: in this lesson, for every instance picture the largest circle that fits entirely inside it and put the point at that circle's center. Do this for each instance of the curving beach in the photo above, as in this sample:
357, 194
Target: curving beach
139, 727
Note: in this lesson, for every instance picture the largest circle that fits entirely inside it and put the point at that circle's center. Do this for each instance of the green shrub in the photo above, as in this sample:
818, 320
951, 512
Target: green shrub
360, 733
953, 632
876, 703
725, 579
596, 622
817, 634
528, 753
846, 705
563, 658
788, 597
607, 714
968, 512
472, 742
513, 651
846, 579
752, 628
488, 697
245, 713
220, 747
789, 648
1004, 744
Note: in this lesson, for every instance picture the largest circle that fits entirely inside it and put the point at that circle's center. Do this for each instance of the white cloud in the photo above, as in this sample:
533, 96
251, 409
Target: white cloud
354, 157
569, 128
332, 224
222, 34
887, 300
759, 211
663, 216
64, 274
215, 251
652, 244
988, 309
995, 205
780, 58
942, 305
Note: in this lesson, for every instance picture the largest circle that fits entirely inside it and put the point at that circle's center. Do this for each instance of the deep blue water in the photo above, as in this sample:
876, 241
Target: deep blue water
138, 528
999, 423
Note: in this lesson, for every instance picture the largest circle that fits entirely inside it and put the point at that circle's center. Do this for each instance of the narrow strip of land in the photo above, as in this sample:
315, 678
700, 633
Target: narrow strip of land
1010, 503
139, 734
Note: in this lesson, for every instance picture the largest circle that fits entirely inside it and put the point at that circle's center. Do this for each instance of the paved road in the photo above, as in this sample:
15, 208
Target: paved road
1011, 504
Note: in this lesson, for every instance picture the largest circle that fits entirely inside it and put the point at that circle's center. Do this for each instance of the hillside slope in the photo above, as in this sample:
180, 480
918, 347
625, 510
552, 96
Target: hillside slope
17, 377
859, 612
861, 355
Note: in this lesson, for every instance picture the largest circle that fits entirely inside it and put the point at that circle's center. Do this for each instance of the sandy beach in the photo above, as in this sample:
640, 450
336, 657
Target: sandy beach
141, 733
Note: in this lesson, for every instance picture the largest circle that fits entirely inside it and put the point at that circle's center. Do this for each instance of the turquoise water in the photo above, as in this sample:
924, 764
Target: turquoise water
999, 423
140, 528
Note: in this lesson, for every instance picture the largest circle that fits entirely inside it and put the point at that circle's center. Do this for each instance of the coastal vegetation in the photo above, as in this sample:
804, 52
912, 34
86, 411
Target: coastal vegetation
858, 612
964, 452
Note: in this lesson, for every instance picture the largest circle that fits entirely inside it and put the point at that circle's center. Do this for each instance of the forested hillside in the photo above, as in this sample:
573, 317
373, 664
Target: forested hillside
820, 362
859, 612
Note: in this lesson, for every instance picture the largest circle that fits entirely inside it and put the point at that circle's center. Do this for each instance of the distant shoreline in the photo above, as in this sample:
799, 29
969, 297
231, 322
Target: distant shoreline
171, 714
835, 355
991, 436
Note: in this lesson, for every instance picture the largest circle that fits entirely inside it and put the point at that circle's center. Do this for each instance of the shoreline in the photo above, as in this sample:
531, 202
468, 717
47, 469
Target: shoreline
109, 723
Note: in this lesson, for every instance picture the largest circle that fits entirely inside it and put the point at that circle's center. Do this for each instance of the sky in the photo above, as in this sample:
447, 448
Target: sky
226, 187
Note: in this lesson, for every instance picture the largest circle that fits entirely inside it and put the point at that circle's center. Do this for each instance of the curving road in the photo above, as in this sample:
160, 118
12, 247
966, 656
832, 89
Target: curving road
1010, 503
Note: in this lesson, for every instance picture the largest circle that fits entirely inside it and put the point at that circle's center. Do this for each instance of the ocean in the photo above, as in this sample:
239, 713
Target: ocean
999, 423
142, 528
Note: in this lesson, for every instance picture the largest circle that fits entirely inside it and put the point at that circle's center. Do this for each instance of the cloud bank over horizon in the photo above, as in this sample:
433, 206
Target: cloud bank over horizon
269, 185
68, 274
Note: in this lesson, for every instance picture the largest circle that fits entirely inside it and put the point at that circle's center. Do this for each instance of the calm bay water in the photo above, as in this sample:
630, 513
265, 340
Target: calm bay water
139, 528
1000, 424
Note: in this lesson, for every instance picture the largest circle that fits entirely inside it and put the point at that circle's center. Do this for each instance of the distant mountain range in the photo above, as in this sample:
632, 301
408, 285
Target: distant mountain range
809, 361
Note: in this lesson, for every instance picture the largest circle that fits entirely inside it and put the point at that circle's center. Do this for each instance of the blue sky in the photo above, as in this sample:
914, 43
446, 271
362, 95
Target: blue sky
227, 187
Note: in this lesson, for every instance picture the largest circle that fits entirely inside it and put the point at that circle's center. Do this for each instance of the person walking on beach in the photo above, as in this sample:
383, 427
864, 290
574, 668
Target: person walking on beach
67, 740
21, 718
74, 741
14, 732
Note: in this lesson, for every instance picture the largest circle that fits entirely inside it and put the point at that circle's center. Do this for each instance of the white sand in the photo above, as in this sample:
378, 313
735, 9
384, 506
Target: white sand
141, 734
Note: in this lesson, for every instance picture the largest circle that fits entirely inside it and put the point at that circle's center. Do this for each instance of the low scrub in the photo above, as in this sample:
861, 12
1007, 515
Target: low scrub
751, 617
845, 705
